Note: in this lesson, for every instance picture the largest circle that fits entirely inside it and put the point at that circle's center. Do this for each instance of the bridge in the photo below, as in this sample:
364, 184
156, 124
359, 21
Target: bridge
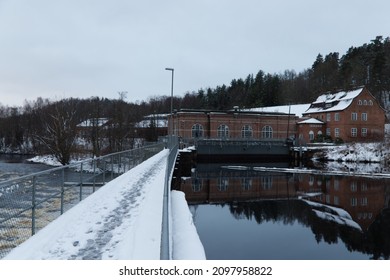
119, 206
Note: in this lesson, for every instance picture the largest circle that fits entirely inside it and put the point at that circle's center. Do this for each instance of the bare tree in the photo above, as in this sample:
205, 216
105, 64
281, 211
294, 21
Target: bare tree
59, 130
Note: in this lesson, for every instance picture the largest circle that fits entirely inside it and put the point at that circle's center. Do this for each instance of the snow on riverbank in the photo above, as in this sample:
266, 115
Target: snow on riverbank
365, 158
122, 220
357, 152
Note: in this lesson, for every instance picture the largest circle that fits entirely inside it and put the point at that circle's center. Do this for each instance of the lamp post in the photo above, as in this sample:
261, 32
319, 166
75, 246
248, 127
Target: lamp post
172, 70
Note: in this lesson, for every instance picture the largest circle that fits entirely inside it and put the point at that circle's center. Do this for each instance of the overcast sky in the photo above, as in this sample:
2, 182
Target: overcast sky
81, 48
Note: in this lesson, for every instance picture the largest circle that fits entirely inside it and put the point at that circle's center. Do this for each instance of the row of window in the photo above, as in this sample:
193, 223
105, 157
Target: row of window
354, 133
223, 131
354, 117
246, 183
363, 201
365, 102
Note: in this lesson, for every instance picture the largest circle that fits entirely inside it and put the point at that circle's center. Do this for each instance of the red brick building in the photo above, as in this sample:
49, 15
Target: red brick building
235, 124
347, 115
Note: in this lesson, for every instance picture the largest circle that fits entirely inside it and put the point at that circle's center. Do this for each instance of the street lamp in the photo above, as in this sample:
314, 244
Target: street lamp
172, 70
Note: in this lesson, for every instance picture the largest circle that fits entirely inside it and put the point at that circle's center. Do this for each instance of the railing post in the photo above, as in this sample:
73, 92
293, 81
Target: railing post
119, 163
81, 181
112, 167
62, 191
104, 171
33, 206
94, 175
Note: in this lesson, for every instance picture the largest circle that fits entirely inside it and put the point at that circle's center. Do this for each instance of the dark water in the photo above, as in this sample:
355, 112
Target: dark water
13, 166
241, 213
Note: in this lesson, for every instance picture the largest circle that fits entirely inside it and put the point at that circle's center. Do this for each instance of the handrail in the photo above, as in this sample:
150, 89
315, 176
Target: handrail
166, 244
30, 202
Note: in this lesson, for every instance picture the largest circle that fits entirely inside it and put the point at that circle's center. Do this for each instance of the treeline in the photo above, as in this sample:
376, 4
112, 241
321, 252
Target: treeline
45, 126
50, 126
367, 65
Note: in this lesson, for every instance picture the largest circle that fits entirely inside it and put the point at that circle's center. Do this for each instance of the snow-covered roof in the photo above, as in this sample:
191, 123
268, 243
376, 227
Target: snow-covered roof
157, 123
297, 109
92, 122
160, 120
333, 102
311, 121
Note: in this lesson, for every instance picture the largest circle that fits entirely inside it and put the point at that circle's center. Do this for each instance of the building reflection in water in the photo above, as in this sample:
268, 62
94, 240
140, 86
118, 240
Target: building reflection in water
355, 210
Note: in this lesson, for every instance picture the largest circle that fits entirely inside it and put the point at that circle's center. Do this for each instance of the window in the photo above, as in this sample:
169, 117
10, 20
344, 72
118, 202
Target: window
197, 131
266, 182
328, 132
311, 180
328, 117
336, 184
370, 102
337, 117
223, 184
223, 131
354, 132
354, 116
364, 117
267, 132
365, 102
353, 186
364, 132
196, 185
246, 131
360, 102
364, 201
246, 184
337, 132
311, 135
353, 201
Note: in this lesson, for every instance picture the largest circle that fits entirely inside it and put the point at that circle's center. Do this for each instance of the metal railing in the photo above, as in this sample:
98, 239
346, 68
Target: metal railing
166, 244
30, 202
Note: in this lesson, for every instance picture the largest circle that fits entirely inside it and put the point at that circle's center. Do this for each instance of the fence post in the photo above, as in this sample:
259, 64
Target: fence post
81, 181
112, 167
62, 190
104, 171
94, 175
33, 206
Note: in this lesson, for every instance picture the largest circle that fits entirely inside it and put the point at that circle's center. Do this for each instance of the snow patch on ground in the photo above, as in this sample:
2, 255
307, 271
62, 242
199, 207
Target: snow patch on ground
186, 242
358, 152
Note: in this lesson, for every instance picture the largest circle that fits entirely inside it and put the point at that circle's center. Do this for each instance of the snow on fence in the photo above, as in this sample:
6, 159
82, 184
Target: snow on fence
30, 202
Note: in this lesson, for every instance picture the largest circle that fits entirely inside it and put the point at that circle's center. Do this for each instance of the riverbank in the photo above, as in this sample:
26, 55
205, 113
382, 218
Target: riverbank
355, 152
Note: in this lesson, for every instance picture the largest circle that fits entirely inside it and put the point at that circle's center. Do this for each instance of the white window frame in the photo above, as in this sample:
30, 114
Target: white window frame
223, 131
246, 132
353, 132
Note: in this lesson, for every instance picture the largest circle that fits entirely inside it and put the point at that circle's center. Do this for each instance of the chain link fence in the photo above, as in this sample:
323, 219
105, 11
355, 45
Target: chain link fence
29, 203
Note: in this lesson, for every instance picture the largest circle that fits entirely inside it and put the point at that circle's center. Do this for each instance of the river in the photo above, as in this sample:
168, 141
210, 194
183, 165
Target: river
241, 213
13, 166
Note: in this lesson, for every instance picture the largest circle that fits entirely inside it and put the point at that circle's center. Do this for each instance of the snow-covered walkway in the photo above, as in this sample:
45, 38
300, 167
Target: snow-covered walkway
122, 220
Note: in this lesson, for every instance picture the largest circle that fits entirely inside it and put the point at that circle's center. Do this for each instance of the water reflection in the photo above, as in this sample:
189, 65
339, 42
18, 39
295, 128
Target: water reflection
303, 216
